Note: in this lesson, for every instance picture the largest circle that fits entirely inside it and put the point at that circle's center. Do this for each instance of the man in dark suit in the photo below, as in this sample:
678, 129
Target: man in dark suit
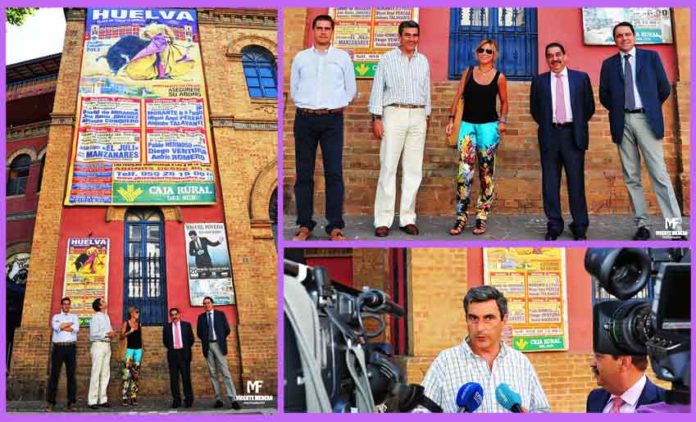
624, 384
561, 103
198, 248
213, 330
632, 86
178, 339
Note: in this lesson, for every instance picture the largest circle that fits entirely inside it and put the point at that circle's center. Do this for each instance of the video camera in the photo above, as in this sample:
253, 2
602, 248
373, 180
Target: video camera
630, 326
329, 364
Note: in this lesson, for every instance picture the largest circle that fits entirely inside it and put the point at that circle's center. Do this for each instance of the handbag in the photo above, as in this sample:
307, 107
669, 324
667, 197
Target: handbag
453, 140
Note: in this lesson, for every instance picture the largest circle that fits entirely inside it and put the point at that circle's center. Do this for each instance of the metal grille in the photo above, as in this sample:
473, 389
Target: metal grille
513, 28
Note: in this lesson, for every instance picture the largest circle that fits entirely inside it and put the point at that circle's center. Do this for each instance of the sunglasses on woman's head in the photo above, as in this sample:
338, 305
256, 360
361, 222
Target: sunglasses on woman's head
487, 50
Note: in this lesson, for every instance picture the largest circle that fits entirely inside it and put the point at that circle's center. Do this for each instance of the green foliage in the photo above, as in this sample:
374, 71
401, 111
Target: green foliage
17, 15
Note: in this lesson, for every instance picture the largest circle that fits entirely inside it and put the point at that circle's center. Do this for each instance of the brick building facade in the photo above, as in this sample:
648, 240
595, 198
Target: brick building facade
435, 280
518, 170
244, 142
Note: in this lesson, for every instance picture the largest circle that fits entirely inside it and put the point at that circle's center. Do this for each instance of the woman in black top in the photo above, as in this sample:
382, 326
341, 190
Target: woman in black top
130, 330
479, 133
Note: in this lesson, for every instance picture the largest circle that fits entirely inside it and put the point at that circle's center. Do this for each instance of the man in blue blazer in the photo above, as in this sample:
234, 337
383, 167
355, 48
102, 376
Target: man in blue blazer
213, 329
632, 86
561, 103
624, 384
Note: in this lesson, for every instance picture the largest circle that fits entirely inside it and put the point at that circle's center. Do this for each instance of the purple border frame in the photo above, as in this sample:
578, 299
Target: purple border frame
282, 244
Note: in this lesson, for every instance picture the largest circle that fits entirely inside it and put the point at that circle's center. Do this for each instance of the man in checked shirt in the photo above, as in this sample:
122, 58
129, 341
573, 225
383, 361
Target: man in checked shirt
484, 359
400, 108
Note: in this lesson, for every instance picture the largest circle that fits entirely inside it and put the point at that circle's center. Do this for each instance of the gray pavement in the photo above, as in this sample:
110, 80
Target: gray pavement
145, 406
500, 227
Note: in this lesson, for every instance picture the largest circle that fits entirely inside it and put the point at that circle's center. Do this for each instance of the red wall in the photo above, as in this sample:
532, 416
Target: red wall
81, 221
28, 201
434, 41
579, 295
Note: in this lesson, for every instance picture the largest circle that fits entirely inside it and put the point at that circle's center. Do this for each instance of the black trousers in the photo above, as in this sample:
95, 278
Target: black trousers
60, 355
566, 155
179, 366
325, 130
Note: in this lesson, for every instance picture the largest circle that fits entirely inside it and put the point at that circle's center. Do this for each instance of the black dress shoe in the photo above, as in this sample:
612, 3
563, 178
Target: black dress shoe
93, 406
218, 404
642, 233
382, 231
105, 404
550, 236
235, 405
176, 404
579, 237
410, 229
188, 404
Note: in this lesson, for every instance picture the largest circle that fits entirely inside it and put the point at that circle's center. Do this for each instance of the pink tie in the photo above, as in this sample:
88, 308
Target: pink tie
616, 404
560, 99
177, 336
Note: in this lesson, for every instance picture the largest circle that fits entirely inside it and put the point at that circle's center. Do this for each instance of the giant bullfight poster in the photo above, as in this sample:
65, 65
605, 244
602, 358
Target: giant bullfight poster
142, 136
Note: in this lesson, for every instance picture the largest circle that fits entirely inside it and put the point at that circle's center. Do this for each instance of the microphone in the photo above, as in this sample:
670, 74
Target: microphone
508, 398
469, 397
413, 395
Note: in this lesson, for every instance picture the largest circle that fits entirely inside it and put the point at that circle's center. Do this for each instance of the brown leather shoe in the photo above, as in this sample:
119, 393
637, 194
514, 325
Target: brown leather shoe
336, 234
382, 231
410, 229
303, 234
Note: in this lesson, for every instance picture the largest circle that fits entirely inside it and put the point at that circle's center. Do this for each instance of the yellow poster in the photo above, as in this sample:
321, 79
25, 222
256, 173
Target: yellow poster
86, 274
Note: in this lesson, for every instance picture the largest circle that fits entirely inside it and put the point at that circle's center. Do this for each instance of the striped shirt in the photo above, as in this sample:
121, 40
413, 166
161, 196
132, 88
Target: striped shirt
399, 80
458, 365
322, 80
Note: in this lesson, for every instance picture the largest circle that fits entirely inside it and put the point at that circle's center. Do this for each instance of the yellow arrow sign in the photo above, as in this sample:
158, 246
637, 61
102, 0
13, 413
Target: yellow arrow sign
521, 343
130, 194
362, 69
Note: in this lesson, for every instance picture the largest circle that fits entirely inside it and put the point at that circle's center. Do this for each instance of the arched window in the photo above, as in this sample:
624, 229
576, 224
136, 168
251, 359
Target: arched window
260, 72
18, 175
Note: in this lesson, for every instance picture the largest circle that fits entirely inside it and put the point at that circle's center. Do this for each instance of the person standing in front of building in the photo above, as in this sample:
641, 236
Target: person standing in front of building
561, 103
130, 331
64, 329
177, 337
400, 107
480, 132
213, 329
100, 334
483, 358
633, 86
322, 84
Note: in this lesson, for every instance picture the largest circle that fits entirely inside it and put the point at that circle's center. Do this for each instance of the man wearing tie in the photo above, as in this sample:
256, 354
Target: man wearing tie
561, 103
624, 384
213, 330
178, 339
632, 86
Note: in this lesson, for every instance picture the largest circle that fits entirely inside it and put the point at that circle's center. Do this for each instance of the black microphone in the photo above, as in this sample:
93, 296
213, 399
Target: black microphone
377, 300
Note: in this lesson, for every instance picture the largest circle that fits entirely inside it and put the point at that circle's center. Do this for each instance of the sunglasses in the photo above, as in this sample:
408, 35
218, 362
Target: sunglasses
487, 50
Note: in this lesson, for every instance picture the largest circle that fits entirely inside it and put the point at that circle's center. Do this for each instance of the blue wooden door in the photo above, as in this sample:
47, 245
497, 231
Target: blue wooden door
513, 28
144, 272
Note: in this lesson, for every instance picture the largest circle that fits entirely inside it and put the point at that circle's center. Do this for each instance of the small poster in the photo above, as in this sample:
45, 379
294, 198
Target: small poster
86, 275
208, 263
533, 281
653, 25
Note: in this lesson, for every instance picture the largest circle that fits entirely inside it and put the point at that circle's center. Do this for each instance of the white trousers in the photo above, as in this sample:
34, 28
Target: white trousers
99, 378
404, 138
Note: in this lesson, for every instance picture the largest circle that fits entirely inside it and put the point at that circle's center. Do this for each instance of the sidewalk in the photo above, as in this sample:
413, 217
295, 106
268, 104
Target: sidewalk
500, 227
145, 406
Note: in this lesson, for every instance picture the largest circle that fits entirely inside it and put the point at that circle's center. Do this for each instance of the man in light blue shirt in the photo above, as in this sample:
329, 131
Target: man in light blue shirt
64, 328
100, 334
322, 84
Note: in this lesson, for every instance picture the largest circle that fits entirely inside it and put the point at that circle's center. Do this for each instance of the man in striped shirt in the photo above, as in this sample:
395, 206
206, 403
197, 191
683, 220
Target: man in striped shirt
484, 359
400, 108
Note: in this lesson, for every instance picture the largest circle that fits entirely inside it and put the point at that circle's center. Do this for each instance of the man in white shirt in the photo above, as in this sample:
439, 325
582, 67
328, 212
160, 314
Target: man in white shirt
624, 384
64, 328
100, 334
484, 359
322, 84
400, 108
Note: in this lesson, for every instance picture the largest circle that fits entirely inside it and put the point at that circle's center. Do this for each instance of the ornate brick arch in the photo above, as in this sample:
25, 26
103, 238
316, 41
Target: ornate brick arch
31, 152
261, 191
234, 49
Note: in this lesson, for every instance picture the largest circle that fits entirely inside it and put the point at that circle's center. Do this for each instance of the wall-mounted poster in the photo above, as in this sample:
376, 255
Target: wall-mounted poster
86, 275
208, 262
533, 281
17, 269
142, 136
653, 25
367, 33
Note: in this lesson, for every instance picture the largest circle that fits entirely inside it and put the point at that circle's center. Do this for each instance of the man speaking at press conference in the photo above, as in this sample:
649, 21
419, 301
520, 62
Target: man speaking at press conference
506, 377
